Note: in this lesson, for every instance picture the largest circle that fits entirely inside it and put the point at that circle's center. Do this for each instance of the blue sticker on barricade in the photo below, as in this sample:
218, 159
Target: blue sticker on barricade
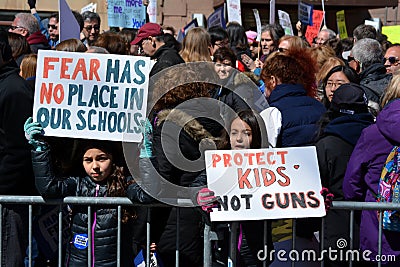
81, 241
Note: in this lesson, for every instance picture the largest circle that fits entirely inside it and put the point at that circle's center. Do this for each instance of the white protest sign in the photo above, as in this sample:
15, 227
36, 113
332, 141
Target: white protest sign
152, 11
89, 7
93, 96
258, 23
258, 184
234, 11
375, 23
126, 13
284, 21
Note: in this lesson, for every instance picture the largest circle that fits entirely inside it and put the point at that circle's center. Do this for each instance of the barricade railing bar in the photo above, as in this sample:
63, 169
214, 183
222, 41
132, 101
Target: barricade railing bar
208, 234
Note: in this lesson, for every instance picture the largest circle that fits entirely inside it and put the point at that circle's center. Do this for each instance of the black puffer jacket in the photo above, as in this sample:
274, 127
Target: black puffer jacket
104, 221
166, 57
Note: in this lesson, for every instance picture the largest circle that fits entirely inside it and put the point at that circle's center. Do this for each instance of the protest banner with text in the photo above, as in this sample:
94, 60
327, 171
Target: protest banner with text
258, 184
93, 96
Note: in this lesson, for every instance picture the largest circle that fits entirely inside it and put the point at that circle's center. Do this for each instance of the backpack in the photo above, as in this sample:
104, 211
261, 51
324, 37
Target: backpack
389, 189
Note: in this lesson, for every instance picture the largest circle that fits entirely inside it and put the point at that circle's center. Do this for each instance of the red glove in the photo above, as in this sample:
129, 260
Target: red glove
206, 199
328, 198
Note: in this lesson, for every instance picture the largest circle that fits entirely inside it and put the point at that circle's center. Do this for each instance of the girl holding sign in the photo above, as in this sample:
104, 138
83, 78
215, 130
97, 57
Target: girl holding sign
102, 178
246, 131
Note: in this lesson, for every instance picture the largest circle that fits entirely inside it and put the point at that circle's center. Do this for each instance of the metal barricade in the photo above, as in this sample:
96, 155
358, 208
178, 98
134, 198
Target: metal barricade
208, 234
90, 201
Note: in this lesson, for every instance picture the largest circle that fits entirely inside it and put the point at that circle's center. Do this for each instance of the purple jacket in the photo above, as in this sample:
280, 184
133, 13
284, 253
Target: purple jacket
363, 173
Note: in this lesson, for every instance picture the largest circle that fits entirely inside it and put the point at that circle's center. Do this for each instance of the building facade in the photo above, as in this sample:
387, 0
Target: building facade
178, 13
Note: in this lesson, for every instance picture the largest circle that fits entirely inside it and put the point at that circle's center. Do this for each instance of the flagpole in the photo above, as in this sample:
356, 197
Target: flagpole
271, 11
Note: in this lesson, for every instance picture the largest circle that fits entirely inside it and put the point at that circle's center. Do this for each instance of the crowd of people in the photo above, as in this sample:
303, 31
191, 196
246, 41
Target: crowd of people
341, 96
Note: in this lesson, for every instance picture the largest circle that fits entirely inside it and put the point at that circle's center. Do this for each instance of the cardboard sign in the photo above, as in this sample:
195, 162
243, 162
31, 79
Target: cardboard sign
93, 96
312, 31
305, 13
341, 24
217, 18
126, 13
234, 11
284, 21
257, 184
392, 32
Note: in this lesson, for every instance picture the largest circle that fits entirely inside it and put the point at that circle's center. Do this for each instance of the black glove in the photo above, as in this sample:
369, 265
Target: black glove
32, 4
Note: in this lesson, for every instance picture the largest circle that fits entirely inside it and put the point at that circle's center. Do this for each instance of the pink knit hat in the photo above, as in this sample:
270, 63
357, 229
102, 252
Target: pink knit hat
251, 36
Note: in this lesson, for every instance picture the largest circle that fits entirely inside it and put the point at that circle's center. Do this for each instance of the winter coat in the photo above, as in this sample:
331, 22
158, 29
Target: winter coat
300, 114
165, 57
334, 150
104, 222
16, 105
363, 174
375, 80
183, 133
239, 93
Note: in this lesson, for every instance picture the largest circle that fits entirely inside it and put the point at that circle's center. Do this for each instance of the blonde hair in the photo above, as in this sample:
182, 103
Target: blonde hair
322, 53
196, 46
28, 66
328, 65
392, 91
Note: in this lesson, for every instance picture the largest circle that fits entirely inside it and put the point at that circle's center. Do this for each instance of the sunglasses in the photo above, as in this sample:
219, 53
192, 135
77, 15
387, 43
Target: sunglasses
54, 27
13, 28
281, 49
90, 27
392, 60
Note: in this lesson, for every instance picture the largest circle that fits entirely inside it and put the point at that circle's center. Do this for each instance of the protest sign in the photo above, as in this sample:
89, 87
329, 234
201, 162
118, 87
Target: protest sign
93, 96
152, 11
305, 13
375, 22
284, 21
234, 11
126, 13
258, 23
89, 7
392, 32
312, 31
341, 24
217, 18
258, 184
182, 32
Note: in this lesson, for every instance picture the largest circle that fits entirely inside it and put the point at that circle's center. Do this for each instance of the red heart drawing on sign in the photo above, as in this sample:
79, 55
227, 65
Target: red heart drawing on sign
296, 166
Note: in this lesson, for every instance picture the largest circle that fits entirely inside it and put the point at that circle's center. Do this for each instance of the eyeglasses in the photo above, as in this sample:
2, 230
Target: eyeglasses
222, 44
334, 84
90, 27
13, 28
143, 42
392, 60
53, 26
281, 49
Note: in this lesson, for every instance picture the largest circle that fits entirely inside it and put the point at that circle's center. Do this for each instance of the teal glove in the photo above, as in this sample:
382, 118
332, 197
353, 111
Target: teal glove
146, 149
32, 130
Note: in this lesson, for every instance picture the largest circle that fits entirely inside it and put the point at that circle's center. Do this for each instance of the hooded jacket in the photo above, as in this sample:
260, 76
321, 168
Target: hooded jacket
178, 136
363, 173
104, 221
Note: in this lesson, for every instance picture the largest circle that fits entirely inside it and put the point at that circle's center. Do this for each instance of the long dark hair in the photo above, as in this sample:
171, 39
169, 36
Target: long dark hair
257, 126
348, 72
